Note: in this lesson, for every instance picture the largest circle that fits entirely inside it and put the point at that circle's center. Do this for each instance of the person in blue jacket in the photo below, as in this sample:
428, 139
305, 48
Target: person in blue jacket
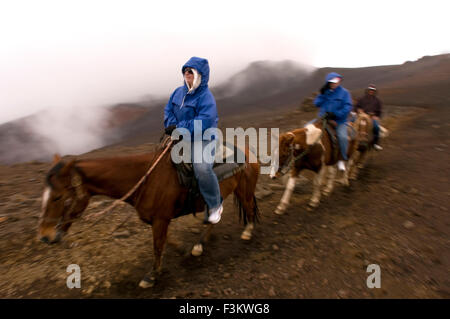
194, 102
335, 103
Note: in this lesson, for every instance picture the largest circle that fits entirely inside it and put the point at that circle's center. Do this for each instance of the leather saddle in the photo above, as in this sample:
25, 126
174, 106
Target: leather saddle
331, 131
228, 167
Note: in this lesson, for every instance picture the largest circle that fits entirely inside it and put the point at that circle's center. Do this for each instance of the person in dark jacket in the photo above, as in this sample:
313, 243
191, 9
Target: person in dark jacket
335, 103
372, 105
189, 105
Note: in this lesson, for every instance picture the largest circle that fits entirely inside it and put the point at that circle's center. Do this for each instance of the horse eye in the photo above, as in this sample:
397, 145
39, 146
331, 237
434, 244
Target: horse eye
68, 202
57, 198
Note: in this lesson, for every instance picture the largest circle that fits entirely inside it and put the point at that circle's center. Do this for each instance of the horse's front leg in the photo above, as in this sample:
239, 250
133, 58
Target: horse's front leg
317, 183
331, 175
284, 203
353, 168
363, 159
350, 165
159, 229
197, 250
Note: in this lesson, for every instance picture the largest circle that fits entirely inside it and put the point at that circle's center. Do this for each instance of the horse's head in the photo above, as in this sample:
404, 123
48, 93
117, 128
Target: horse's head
63, 201
281, 154
292, 145
363, 126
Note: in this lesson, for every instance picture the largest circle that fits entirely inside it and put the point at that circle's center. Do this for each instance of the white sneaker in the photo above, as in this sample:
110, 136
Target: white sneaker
215, 215
341, 166
377, 147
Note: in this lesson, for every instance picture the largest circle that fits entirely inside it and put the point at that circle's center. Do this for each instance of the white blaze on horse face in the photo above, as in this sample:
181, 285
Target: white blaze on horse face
45, 197
312, 134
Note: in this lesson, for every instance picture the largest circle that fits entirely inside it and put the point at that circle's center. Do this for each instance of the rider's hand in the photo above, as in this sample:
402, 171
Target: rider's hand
168, 130
324, 88
330, 116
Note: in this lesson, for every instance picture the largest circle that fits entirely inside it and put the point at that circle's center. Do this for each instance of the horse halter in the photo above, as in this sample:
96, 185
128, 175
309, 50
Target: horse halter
76, 183
292, 159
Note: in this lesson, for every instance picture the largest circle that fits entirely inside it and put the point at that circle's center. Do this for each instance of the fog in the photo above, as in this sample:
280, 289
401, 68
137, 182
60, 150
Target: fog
72, 56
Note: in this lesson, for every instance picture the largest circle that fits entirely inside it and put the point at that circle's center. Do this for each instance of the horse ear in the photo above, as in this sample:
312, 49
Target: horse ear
67, 168
56, 158
289, 138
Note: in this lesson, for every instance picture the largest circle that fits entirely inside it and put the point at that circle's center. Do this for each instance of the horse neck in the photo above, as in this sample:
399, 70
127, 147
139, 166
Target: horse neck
113, 177
361, 117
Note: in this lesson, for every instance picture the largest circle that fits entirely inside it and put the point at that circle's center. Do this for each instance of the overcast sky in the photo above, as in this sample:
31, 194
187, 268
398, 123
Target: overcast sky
72, 54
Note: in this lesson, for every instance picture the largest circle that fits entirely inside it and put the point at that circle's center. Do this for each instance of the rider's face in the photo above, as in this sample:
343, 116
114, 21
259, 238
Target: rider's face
371, 92
334, 85
189, 76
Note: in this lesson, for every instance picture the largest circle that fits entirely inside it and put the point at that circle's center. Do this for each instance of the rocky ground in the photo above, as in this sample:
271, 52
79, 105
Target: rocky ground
395, 215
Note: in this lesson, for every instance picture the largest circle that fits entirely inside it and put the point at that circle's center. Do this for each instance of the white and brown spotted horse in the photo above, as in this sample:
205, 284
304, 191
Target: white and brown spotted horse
307, 148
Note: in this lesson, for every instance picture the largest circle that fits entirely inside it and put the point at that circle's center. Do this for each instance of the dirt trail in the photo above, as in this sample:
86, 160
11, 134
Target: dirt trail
396, 215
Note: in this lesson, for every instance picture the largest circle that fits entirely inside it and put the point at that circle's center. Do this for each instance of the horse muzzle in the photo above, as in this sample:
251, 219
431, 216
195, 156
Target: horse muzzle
51, 237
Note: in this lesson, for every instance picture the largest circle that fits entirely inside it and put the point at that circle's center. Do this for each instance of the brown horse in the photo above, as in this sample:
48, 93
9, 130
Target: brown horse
306, 148
364, 143
159, 199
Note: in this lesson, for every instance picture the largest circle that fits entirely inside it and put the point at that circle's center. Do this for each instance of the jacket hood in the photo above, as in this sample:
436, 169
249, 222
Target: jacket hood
332, 75
202, 67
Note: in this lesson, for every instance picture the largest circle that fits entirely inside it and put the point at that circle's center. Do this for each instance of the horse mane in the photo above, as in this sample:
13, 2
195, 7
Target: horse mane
55, 170
52, 172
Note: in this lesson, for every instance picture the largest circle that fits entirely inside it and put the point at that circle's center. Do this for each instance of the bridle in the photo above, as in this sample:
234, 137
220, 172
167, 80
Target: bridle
76, 183
64, 219
292, 159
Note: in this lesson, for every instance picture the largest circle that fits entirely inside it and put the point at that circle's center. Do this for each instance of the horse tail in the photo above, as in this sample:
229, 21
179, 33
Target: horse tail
241, 210
243, 214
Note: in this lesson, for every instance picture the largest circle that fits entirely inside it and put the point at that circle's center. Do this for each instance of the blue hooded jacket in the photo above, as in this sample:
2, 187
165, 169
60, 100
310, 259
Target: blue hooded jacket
338, 101
183, 107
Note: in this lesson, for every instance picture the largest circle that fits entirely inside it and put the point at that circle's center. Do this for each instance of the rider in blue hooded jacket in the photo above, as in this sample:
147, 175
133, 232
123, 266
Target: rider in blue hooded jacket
194, 102
335, 103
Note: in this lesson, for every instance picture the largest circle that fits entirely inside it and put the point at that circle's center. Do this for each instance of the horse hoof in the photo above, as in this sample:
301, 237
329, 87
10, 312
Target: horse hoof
197, 250
147, 283
246, 236
279, 211
312, 205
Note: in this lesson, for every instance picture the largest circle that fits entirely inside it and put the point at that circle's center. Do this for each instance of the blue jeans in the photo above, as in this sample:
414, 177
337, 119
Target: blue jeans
376, 131
341, 131
206, 178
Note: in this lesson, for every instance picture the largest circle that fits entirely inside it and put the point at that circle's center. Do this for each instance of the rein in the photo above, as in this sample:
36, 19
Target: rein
292, 159
77, 182
121, 201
